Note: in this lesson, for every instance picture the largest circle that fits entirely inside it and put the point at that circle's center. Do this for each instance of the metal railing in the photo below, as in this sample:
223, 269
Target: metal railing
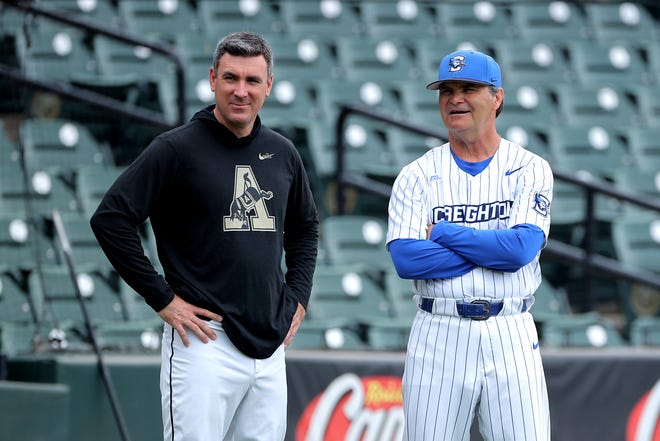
586, 258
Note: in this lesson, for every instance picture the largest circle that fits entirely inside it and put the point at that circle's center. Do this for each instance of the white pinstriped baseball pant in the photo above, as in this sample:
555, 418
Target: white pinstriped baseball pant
213, 392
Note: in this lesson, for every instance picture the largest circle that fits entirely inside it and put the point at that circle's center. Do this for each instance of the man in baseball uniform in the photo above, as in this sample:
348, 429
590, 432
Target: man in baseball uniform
467, 223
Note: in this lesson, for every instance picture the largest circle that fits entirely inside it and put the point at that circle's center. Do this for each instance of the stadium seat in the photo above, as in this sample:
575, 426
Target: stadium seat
647, 99
397, 19
645, 331
636, 240
218, 18
597, 150
400, 293
629, 21
528, 105
101, 12
375, 59
614, 63
56, 54
388, 334
484, 20
58, 300
407, 146
135, 307
345, 292
429, 51
308, 58
420, 106
331, 334
16, 339
355, 239
641, 181
323, 19
535, 62
60, 145
644, 147
595, 105
124, 62
91, 183
531, 136
23, 245
15, 304
587, 330
549, 302
158, 20
366, 149
8, 148
380, 96
555, 21
85, 249
45, 191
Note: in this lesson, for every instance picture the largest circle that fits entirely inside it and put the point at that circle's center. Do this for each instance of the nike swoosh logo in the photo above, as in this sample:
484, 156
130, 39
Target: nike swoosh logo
535, 345
263, 156
510, 172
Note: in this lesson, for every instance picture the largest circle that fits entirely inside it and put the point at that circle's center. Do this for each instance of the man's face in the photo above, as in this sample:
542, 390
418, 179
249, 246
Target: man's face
464, 105
240, 85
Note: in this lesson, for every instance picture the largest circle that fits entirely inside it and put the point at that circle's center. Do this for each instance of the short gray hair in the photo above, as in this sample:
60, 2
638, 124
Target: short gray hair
244, 44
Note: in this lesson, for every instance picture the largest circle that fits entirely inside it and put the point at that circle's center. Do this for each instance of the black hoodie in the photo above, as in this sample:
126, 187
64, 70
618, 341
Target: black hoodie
222, 209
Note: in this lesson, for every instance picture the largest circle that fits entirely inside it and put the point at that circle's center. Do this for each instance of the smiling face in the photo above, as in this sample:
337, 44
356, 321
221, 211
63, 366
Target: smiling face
241, 85
468, 106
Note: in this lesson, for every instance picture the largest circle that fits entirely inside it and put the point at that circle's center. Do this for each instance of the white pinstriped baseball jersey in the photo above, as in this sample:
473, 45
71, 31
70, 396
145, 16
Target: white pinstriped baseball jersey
515, 188
458, 367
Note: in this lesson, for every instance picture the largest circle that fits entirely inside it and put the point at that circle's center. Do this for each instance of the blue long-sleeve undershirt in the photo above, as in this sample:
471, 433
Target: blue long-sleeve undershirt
503, 250
455, 250
425, 259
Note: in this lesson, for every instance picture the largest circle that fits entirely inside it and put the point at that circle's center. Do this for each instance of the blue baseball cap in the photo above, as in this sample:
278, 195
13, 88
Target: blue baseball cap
467, 65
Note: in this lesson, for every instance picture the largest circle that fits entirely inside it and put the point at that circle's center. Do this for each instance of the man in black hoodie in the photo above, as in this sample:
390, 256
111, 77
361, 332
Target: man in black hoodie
226, 197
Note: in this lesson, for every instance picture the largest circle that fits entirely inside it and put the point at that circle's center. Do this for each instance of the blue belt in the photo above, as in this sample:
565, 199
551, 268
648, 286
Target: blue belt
475, 310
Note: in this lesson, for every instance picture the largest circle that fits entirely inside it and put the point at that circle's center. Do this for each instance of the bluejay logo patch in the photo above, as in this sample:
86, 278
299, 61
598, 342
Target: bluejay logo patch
456, 63
541, 204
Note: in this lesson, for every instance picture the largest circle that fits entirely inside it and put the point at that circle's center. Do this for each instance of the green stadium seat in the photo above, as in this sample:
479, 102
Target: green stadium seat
16, 339
531, 136
535, 62
91, 183
15, 306
388, 334
345, 292
595, 105
645, 331
528, 104
134, 305
556, 21
549, 302
400, 294
647, 99
46, 190
308, 58
614, 63
23, 245
397, 19
57, 298
636, 240
218, 18
630, 21
56, 54
124, 62
85, 249
428, 51
407, 146
587, 330
644, 147
375, 59
484, 20
377, 95
331, 334
158, 20
641, 181
319, 18
420, 106
101, 12
597, 150
60, 145
355, 240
